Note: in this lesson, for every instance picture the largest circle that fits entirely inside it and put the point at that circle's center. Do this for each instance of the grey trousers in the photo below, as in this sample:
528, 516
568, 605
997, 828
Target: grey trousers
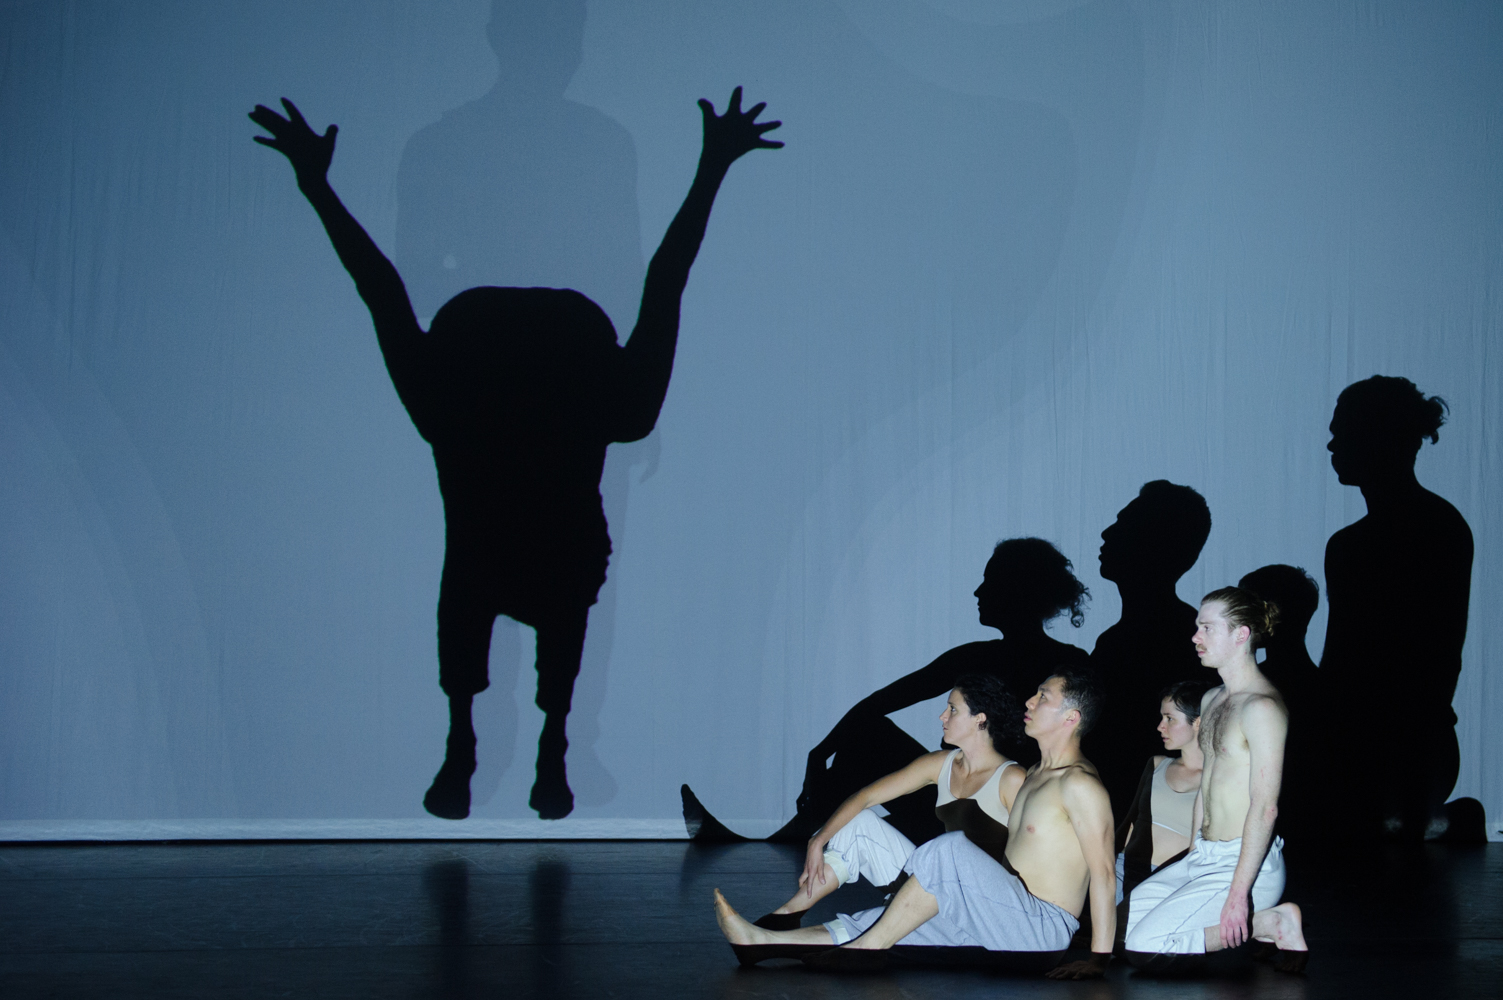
868, 846
981, 904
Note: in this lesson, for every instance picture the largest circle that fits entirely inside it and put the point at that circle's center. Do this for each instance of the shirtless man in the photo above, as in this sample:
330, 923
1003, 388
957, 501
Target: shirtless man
1202, 902
1059, 852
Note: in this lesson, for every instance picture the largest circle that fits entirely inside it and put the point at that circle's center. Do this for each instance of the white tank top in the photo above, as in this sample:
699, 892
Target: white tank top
987, 796
1172, 810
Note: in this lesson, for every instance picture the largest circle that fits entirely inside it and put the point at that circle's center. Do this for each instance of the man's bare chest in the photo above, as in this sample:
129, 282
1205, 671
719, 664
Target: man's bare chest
1220, 730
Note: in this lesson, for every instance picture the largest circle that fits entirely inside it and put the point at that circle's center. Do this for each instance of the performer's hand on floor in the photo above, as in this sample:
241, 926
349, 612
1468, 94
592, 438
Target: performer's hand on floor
1234, 920
1090, 968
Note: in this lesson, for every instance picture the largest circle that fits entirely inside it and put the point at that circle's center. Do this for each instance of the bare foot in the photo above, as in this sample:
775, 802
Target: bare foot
1288, 934
1289, 930
736, 929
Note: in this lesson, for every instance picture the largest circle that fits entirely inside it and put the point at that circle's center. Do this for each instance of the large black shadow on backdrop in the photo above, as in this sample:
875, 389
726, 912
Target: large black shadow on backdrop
519, 391
1398, 583
1153, 542
1027, 583
524, 188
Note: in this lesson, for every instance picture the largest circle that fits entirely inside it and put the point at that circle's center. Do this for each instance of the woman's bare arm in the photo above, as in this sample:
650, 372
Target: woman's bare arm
923, 771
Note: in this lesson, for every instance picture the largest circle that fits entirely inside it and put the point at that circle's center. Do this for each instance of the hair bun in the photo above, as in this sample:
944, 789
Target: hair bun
1270, 617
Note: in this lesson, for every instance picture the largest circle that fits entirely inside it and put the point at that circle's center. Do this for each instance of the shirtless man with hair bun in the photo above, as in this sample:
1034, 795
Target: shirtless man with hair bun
1233, 875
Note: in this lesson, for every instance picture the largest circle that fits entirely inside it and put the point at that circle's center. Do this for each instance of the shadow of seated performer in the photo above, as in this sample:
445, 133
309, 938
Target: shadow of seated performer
1027, 583
976, 783
1021, 912
1287, 663
1153, 542
1398, 583
519, 391
1288, 667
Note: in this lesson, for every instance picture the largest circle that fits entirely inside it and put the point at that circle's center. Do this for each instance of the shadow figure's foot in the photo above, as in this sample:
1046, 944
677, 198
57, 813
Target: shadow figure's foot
551, 797
701, 825
449, 795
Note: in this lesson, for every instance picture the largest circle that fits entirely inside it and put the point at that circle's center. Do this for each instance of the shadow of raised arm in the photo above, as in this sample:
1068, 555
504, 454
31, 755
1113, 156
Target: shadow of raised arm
377, 281
649, 351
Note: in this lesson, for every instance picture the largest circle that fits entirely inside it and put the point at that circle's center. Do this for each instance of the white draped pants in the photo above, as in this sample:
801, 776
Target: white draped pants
1171, 908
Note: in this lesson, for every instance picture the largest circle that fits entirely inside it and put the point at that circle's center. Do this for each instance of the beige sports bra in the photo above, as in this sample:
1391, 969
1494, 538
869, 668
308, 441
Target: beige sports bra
987, 796
1172, 810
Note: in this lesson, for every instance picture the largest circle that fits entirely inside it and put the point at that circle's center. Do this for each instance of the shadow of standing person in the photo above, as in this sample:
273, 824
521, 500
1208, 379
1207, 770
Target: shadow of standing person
1398, 582
524, 187
519, 391
1153, 542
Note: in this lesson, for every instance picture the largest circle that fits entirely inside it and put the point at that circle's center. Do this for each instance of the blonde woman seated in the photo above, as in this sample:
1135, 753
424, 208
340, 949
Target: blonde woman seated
1157, 826
977, 781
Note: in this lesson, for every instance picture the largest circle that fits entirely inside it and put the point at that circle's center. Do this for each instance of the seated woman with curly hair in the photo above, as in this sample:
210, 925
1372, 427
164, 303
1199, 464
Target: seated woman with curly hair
976, 784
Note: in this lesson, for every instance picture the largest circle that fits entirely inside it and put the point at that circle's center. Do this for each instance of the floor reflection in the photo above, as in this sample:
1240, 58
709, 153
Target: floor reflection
447, 885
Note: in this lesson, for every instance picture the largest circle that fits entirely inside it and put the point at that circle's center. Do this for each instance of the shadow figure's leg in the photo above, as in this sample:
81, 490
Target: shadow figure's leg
560, 647
464, 643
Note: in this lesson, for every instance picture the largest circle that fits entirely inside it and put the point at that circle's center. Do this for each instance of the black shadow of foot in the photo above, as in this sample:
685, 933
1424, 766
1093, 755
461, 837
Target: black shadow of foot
550, 797
449, 795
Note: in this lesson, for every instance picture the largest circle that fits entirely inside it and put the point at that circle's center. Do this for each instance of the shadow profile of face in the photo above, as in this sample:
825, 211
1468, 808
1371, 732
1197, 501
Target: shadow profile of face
540, 44
1377, 428
1027, 583
1157, 537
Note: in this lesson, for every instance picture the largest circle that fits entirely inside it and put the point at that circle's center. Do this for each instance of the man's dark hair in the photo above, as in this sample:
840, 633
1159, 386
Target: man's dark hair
1049, 579
986, 693
1084, 692
1187, 695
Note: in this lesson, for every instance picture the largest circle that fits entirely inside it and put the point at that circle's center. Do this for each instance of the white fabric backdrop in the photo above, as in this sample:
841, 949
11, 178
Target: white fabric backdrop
1017, 258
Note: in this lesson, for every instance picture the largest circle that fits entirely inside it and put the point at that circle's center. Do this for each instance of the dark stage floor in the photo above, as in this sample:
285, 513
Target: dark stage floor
622, 919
